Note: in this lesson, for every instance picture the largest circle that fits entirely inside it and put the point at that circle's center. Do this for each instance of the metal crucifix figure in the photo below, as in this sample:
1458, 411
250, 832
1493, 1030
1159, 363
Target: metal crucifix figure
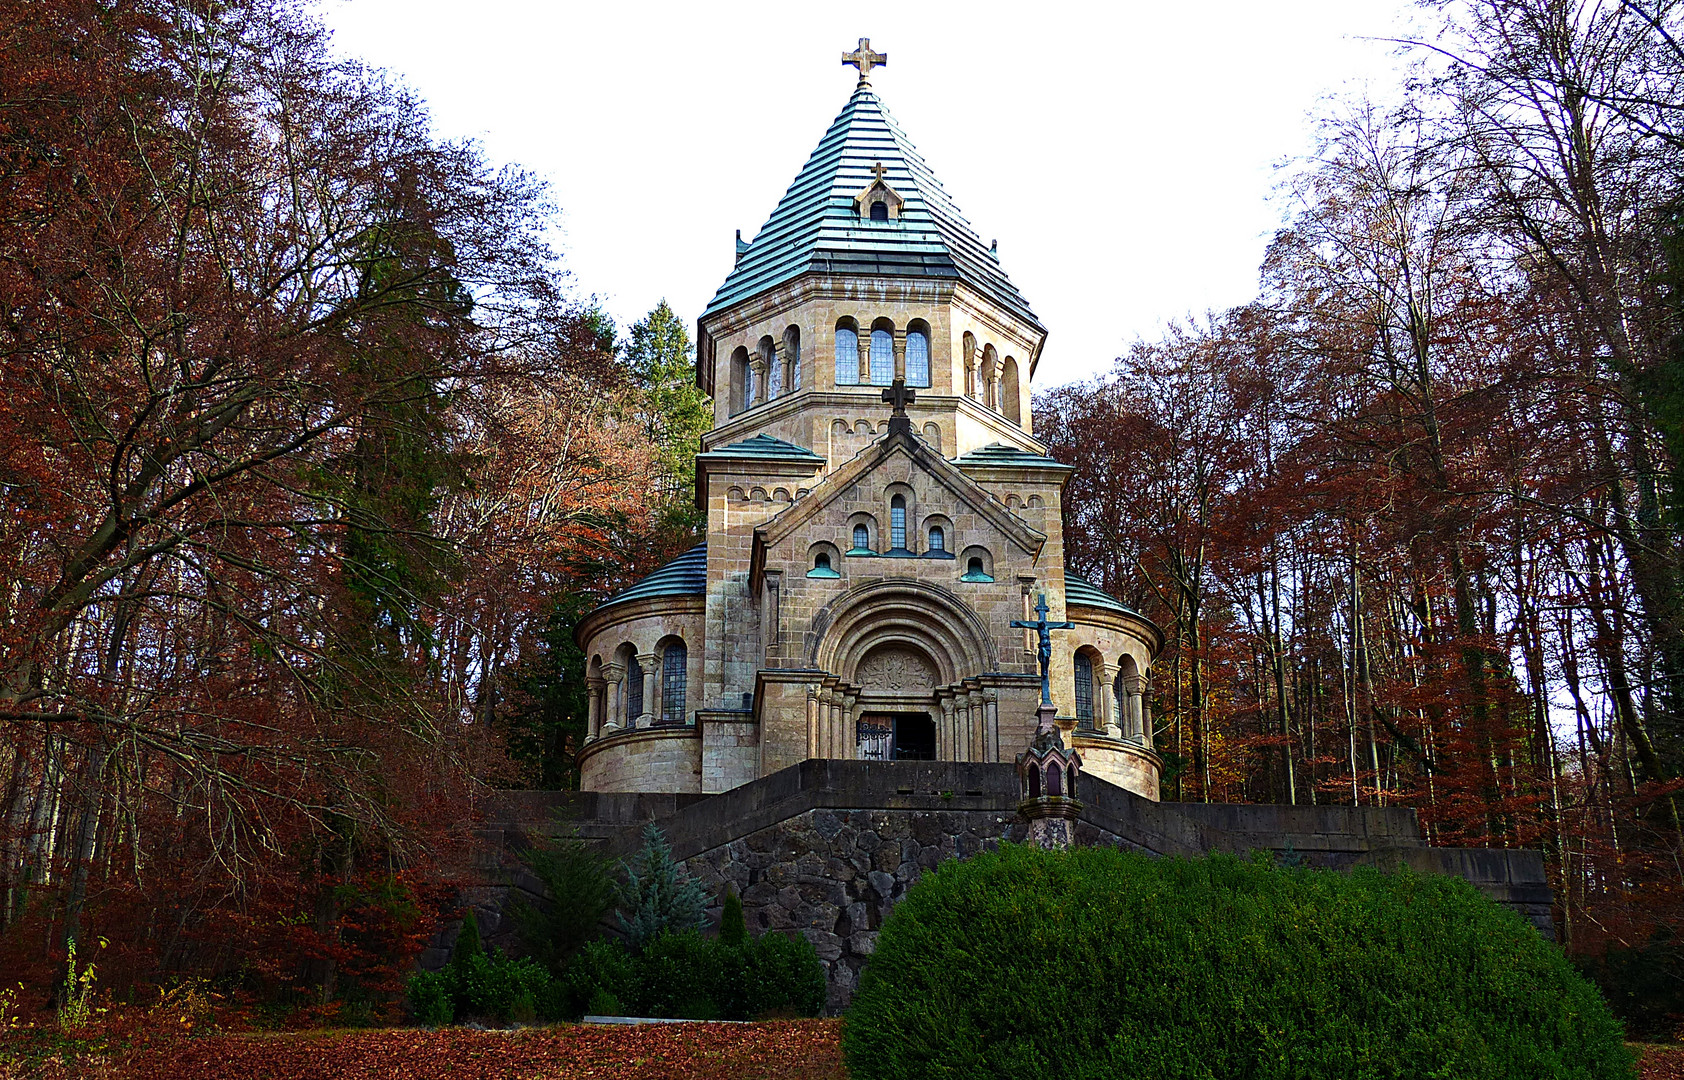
1044, 629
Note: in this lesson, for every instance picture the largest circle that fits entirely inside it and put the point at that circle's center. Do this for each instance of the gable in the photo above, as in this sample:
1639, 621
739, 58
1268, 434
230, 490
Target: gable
919, 458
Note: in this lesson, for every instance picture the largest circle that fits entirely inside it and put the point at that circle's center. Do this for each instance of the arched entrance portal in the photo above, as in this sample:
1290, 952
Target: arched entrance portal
904, 656
897, 702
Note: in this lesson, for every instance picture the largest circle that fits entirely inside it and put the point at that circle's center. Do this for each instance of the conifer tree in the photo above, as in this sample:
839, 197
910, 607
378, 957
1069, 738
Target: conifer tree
658, 896
675, 412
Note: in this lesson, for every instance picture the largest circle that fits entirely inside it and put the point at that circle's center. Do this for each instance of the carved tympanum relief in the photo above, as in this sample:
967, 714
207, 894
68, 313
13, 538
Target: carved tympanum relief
896, 669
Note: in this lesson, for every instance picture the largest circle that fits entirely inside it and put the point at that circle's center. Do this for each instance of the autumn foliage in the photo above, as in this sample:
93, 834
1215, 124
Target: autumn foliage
1414, 518
300, 441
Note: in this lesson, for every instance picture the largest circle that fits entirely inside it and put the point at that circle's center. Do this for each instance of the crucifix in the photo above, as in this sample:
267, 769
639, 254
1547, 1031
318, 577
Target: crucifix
1044, 628
899, 396
864, 59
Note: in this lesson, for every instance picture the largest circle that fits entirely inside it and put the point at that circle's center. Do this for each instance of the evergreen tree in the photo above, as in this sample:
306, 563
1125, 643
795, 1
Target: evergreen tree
658, 896
674, 411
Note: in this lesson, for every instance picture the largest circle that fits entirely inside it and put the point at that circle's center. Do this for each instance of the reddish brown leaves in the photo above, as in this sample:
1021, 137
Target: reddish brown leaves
779, 1050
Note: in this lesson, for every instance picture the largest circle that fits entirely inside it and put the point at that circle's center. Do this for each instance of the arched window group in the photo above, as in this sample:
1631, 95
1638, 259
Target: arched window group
1109, 700
991, 380
636, 690
770, 371
874, 357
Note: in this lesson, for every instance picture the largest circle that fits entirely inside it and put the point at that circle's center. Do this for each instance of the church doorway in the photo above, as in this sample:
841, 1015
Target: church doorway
897, 737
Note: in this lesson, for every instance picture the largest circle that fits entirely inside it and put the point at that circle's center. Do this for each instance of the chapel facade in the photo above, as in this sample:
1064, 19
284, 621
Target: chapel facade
880, 515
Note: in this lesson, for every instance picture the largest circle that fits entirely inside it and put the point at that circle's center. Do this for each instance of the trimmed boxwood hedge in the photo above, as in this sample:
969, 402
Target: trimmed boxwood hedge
1096, 963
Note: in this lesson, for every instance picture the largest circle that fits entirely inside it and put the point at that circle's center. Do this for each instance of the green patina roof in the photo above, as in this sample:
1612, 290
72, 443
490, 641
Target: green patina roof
686, 575
817, 228
1002, 455
762, 447
1077, 590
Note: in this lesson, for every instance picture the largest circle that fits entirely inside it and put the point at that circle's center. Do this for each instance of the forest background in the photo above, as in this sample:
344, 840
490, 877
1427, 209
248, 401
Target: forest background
311, 456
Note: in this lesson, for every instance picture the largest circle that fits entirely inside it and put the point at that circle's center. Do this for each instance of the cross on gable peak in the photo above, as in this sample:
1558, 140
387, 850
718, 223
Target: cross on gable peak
878, 170
899, 396
864, 59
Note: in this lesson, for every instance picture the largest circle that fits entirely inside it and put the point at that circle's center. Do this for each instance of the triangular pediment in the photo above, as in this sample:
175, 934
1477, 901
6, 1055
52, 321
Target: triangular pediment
925, 458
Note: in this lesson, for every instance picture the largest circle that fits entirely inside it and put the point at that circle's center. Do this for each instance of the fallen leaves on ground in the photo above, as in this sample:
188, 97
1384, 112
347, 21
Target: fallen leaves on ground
1660, 1062
775, 1050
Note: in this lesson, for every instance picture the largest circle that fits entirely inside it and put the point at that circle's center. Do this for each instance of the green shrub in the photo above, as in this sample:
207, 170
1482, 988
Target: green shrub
784, 977
686, 976
581, 893
1100, 963
429, 999
681, 975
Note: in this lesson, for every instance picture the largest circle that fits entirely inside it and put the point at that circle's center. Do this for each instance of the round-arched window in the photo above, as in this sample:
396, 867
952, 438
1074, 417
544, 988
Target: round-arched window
917, 358
938, 539
897, 523
847, 357
879, 211
862, 538
882, 358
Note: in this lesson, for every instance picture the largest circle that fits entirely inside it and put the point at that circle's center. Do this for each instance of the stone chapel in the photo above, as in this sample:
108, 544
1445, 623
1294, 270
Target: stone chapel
879, 512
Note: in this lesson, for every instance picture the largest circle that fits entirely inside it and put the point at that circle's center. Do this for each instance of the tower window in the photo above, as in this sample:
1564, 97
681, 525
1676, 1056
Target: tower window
917, 358
897, 523
847, 357
882, 358
862, 538
879, 211
938, 539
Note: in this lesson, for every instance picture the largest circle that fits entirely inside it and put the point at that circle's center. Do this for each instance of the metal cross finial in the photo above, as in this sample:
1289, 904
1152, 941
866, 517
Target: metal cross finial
899, 396
1044, 628
864, 59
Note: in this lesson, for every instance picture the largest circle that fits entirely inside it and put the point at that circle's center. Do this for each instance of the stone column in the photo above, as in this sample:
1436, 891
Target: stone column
1140, 719
812, 721
900, 354
1116, 721
991, 723
977, 731
945, 748
755, 392
971, 384
593, 713
865, 357
822, 730
850, 734
648, 662
614, 675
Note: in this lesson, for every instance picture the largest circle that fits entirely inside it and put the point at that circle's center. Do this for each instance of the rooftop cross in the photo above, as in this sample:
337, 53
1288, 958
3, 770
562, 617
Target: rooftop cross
878, 170
1043, 627
899, 396
864, 59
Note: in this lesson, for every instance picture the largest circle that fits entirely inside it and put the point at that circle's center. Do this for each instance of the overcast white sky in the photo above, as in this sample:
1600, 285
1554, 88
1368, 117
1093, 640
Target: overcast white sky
1124, 155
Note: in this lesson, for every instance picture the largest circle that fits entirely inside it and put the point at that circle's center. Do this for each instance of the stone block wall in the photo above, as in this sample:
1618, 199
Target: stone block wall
826, 848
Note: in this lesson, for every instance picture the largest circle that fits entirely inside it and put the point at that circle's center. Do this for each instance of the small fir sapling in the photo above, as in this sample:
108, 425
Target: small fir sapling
657, 895
733, 930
